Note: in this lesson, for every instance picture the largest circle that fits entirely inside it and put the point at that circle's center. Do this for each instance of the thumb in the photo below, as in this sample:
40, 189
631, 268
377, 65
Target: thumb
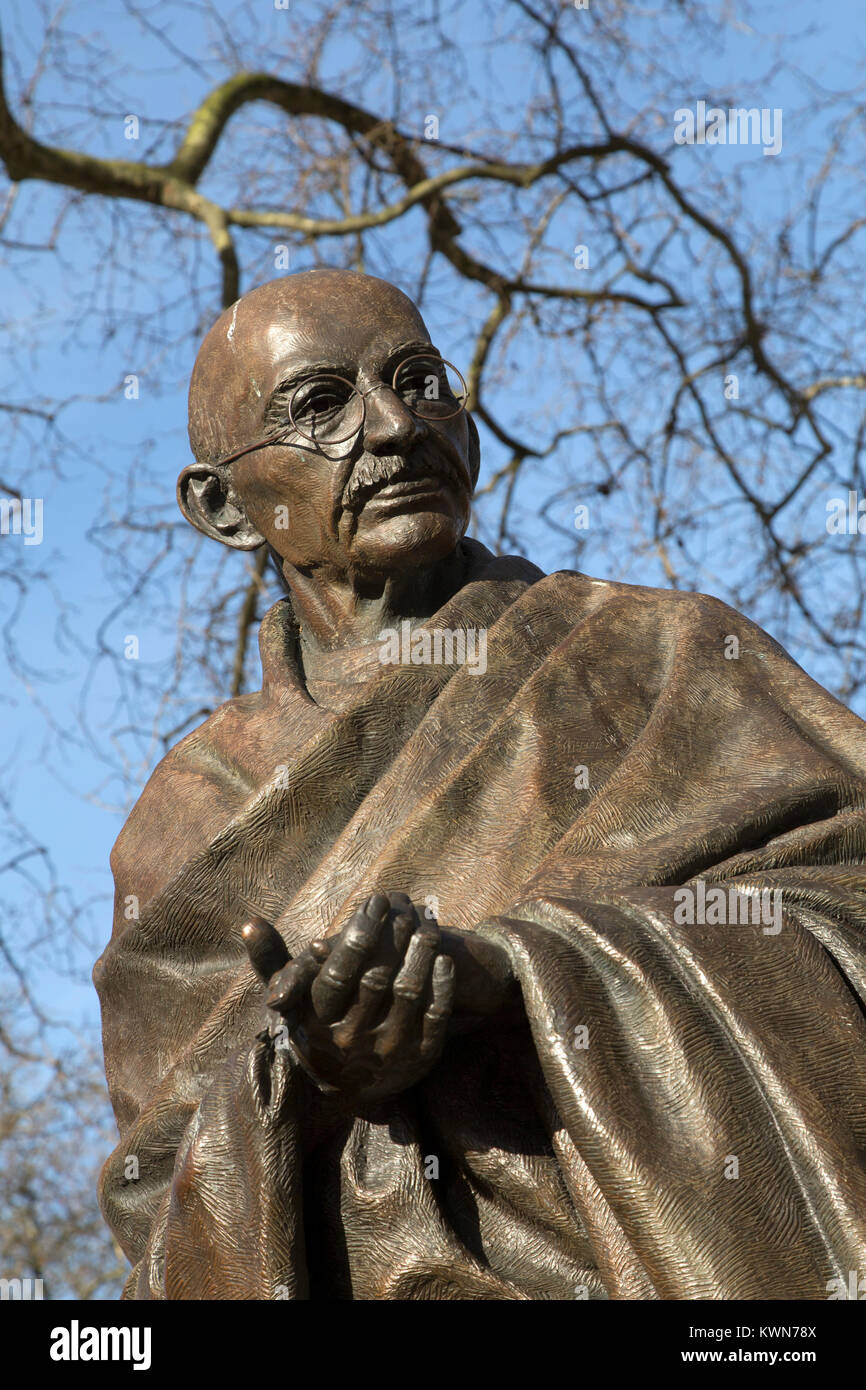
265, 948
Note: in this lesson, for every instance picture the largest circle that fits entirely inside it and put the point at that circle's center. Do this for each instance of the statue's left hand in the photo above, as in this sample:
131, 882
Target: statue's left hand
367, 1009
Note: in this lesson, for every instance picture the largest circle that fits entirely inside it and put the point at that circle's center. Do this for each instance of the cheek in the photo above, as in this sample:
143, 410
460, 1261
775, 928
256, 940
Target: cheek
279, 494
457, 434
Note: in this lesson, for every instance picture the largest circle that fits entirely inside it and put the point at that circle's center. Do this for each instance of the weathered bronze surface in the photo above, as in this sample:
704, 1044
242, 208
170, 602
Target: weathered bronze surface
586, 1081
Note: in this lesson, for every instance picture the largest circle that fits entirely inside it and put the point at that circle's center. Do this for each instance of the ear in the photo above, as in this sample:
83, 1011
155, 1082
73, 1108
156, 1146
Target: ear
474, 450
209, 502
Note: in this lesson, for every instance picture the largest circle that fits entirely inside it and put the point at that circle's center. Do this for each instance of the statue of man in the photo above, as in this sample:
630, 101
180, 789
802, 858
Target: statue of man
509, 942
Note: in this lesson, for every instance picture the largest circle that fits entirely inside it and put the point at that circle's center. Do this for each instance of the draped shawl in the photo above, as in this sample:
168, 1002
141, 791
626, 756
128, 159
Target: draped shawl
678, 1111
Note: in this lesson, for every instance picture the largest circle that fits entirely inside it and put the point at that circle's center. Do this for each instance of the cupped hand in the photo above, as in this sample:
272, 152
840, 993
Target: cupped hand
367, 1010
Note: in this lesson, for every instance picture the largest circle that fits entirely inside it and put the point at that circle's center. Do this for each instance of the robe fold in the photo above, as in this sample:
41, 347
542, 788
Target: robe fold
680, 1110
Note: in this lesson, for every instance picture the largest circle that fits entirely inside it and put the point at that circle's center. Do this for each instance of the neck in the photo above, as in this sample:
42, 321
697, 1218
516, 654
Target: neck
342, 611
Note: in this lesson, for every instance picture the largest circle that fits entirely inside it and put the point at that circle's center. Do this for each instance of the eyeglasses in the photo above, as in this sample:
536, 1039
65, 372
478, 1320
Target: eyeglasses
327, 409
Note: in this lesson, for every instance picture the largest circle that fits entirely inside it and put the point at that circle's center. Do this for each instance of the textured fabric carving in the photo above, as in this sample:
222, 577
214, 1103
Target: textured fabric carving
590, 1147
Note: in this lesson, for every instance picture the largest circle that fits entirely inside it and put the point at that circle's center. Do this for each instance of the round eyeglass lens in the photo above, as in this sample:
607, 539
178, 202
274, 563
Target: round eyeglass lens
430, 386
326, 410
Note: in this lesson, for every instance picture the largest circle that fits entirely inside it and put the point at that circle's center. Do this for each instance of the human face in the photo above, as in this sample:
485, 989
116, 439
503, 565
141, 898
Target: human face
395, 496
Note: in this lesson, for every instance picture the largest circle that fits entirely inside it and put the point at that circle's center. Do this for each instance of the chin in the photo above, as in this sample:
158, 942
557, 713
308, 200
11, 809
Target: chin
417, 538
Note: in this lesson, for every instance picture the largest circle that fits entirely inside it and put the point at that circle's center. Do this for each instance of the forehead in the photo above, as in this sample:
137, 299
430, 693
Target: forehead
338, 319
348, 334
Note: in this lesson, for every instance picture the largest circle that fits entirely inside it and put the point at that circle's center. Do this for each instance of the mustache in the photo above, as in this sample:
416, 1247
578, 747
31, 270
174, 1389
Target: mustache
373, 471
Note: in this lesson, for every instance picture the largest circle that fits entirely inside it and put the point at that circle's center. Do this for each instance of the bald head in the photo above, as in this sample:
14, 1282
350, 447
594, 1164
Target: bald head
320, 317
396, 491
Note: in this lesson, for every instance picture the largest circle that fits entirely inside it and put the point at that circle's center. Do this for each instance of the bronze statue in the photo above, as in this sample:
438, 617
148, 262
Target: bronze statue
556, 886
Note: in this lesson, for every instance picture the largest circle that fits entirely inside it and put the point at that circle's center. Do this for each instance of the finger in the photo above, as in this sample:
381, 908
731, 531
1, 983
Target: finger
410, 990
438, 1013
322, 947
376, 905
374, 987
337, 979
404, 921
293, 982
374, 993
265, 947
402, 931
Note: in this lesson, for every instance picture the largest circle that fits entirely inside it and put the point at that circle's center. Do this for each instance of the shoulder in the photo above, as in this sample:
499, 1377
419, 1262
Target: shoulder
677, 610
648, 634
189, 795
204, 779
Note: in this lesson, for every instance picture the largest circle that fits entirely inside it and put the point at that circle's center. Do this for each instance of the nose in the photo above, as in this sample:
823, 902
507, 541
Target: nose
390, 427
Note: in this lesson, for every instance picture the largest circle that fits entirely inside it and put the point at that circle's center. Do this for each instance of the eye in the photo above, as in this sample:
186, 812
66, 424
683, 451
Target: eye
413, 375
320, 398
422, 376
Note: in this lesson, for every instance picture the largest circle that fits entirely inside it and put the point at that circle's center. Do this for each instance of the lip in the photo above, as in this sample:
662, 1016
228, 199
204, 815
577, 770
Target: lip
408, 490
411, 487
